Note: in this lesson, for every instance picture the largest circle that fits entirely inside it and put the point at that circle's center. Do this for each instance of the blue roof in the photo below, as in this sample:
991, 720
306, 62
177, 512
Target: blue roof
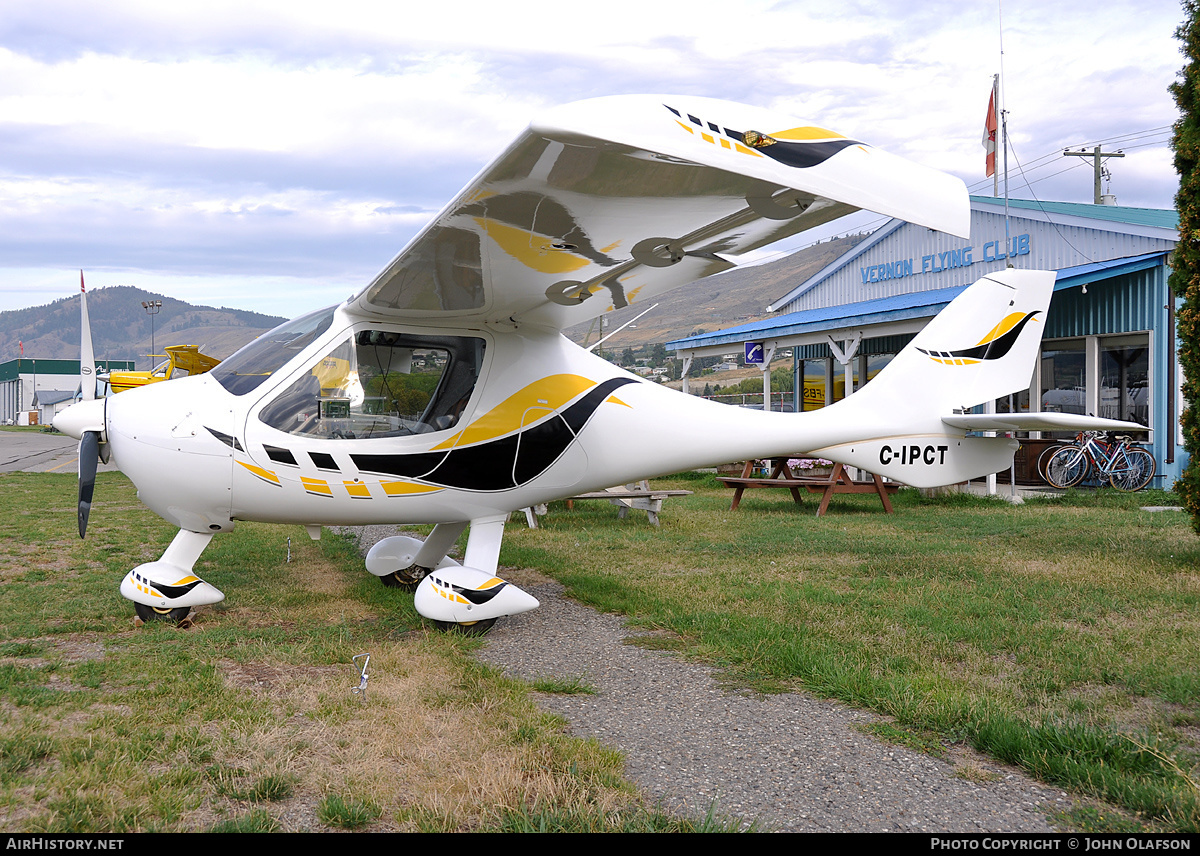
1159, 218
920, 304
1072, 276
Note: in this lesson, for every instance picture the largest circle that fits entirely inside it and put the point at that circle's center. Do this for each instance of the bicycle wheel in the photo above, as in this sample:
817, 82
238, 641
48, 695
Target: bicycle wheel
1067, 467
1133, 470
1044, 459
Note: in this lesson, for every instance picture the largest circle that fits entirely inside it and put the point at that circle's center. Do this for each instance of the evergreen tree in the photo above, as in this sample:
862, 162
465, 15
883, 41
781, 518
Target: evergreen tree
1185, 267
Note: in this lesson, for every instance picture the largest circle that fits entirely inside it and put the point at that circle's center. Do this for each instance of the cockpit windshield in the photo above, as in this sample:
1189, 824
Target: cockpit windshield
378, 383
257, 361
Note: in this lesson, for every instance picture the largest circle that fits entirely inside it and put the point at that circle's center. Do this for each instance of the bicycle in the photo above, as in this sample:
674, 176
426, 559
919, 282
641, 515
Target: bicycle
1049, 452
1125, 466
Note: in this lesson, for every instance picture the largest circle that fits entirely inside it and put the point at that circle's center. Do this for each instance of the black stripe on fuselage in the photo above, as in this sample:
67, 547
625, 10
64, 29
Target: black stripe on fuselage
497, 464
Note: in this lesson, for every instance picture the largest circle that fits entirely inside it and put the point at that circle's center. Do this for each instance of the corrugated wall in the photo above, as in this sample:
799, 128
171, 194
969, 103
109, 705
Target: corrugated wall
914, 258
870, 347
1122, 304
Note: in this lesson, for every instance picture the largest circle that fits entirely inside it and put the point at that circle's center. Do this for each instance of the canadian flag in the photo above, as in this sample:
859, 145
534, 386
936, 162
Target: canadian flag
989, 131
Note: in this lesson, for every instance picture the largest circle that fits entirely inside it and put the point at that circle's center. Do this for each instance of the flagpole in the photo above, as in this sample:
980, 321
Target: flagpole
995, 100
1012, 467
1007, 222
1003, 135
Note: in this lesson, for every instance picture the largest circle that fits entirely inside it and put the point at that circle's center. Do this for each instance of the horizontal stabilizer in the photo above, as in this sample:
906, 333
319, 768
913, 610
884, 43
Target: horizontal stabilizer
982, 346
1037, 422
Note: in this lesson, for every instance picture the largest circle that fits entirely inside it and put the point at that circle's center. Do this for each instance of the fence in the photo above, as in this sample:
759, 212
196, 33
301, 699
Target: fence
780, 401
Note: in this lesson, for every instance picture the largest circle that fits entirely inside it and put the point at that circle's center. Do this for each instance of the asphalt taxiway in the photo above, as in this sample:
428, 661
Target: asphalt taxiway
36, 451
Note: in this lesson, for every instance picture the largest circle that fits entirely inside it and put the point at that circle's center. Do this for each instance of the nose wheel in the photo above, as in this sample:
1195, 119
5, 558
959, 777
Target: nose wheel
470, 628
406, 579
152, 613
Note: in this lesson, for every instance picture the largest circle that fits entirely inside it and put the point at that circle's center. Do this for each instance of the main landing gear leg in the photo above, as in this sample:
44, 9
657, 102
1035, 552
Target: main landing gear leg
470, 598
483, 544
402, 562
167, 590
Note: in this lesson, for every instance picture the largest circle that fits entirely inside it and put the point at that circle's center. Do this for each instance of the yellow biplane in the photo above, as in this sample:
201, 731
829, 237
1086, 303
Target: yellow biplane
181, 361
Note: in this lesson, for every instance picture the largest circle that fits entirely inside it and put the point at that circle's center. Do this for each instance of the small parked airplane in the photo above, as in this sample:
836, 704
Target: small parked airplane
444, 393
181, 361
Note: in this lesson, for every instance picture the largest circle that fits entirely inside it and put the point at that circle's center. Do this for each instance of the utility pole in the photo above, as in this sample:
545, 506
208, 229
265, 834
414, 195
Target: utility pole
1095, 154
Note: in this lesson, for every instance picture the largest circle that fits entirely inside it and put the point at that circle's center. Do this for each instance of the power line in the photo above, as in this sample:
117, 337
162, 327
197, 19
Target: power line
1030, 171
1162, 130
1132, 135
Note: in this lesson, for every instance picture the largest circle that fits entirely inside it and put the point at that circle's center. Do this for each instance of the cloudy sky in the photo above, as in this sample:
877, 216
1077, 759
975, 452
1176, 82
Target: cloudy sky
275, 155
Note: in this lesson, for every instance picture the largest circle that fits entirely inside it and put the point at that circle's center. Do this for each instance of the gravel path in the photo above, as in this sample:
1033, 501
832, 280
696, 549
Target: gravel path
791, 762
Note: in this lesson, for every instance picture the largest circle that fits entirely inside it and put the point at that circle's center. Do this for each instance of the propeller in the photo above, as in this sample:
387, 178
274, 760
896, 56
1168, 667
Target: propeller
87, 359
89, 441
89, 457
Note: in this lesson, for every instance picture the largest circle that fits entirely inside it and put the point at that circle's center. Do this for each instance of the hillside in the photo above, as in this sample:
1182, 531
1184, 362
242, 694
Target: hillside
121, 327
735, 297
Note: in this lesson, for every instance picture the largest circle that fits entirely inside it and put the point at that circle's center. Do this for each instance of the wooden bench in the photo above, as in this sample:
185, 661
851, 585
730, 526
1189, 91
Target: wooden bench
781, 476
638, 495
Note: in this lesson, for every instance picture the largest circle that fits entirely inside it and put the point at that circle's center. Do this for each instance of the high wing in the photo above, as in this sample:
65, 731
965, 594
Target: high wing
605, 203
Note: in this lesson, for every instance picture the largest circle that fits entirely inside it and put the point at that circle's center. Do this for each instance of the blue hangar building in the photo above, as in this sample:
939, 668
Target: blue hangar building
1109, 346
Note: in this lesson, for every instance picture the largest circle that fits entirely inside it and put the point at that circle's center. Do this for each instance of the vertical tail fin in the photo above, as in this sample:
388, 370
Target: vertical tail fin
982, 346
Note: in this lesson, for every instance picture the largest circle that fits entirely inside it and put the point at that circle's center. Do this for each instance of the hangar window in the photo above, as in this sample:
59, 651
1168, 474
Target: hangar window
380, 384
1064, 377
1116, 380
1125, 380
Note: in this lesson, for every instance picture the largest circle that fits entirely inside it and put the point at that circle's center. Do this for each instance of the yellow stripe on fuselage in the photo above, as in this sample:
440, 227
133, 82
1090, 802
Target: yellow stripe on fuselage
406, 488
318, 486
549, 393
358, 490
265, 475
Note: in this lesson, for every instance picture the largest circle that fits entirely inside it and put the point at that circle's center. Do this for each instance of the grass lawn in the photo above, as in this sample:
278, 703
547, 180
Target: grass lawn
247, 721
1059, 635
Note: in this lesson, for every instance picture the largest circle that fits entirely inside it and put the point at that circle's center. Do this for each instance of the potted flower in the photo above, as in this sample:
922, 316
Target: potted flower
810, 467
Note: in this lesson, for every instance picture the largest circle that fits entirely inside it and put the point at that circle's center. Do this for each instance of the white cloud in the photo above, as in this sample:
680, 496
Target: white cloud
309, 140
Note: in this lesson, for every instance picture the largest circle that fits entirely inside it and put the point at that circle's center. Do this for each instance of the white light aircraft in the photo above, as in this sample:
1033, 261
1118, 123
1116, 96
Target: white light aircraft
444, 393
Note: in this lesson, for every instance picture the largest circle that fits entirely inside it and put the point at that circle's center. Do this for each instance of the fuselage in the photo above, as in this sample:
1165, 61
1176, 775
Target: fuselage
326, 437
340, 417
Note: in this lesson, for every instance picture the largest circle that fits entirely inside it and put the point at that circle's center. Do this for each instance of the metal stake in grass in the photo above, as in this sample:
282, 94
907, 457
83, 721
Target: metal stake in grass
289, 558
363, 677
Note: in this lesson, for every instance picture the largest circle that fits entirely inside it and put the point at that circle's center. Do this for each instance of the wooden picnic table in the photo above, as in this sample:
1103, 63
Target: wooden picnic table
781, 476
637, 495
